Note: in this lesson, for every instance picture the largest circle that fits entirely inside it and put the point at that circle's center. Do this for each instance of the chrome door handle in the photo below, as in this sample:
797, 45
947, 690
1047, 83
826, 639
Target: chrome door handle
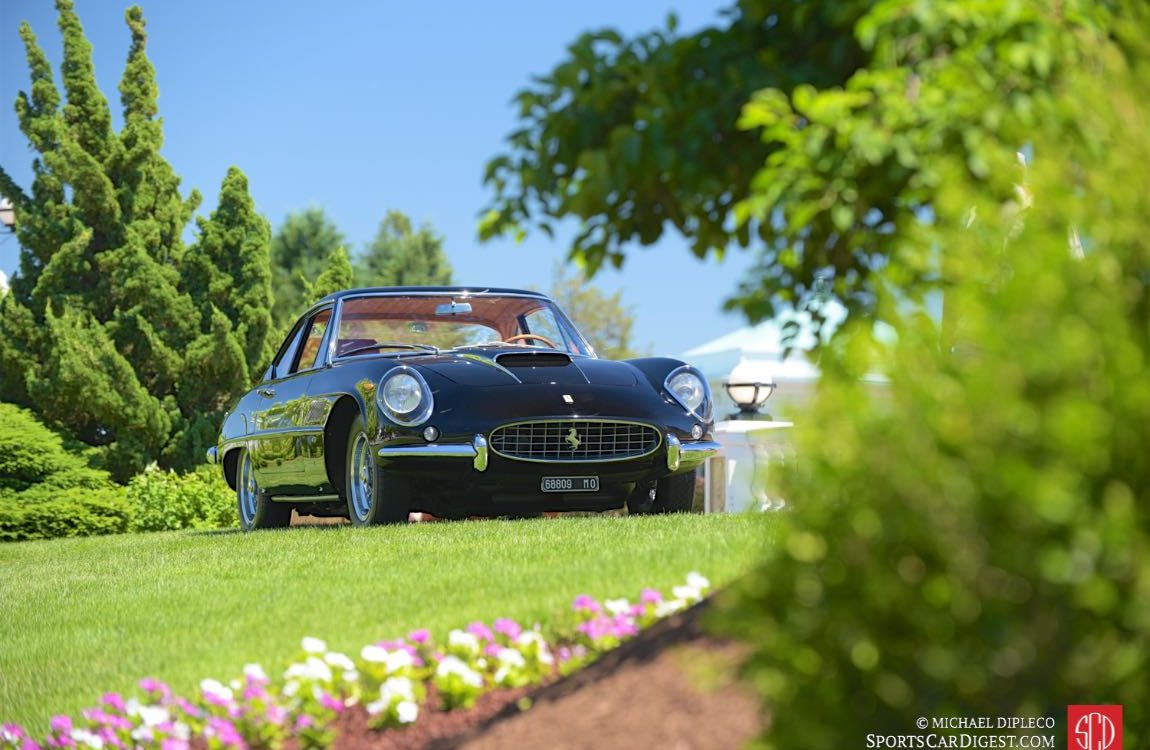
266, 392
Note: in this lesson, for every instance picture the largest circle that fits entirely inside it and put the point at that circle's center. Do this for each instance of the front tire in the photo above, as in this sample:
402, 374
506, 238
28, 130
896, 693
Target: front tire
374, 496
256, 509
675, 494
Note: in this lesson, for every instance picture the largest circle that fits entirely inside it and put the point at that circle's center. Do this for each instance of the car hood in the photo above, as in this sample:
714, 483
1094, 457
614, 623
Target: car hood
489, 367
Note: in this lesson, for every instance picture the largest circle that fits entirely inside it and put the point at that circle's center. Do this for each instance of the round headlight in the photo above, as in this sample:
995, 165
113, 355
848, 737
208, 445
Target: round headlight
688, 389
402, 393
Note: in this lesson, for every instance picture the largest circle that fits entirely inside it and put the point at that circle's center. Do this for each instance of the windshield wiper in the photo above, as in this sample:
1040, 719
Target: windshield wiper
389, 345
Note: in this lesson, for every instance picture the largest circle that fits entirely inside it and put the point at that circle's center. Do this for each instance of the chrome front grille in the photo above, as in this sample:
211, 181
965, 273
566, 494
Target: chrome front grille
574, 440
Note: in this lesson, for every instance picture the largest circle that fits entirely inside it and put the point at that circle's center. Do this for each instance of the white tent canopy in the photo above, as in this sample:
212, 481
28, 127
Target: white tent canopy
762, 342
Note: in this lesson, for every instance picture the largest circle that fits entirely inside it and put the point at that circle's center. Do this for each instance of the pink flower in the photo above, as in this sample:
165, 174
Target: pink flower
650, 596
493, 650
29, 744
423, 635
585, 602
330, 702
304, 721
275, 714
254, 692
508, 627
152, 685
564, 653
114, 700
61, 724
480, 630
173, 743
224, 731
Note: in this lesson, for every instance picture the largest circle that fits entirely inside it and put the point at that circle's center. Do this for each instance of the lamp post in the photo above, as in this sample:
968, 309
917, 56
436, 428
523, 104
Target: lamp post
749, 385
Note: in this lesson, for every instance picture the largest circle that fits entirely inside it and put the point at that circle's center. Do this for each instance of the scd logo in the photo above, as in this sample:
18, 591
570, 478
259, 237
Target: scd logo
1094, 727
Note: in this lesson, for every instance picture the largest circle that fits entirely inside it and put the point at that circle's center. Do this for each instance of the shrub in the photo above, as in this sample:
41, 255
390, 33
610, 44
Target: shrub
77, 511
166, 501
31, 454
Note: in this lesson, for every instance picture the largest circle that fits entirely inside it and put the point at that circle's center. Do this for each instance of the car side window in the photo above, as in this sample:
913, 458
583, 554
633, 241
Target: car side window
309, 352
542, 321
287, 355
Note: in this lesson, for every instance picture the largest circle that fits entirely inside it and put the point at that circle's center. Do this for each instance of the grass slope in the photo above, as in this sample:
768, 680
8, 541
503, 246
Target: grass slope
81, 616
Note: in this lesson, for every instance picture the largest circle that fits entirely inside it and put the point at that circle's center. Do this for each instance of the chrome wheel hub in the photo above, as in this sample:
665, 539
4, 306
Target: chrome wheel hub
249, 491
361, 478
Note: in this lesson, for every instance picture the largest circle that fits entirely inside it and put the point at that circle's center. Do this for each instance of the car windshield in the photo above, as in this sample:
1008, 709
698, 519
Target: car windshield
367, 324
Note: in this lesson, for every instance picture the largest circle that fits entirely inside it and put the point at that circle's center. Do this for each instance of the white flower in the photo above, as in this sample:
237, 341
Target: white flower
313, 645
375, 654
697, 581
396, 687
350, 675
375, 708
528, 637
617, 606
6, 734
215, 689
463, 640
336, 659
451, 665
291, 687
255, 672
87, 738
397, 660
312, 669
511, 658
407, 712
143, 734
669, 607
687, 593
181, 731
152, 715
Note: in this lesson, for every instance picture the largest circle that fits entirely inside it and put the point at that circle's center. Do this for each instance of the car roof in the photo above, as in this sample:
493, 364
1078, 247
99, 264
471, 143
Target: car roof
431, 290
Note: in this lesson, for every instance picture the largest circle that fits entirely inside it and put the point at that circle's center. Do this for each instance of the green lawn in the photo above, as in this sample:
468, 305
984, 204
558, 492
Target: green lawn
81, 616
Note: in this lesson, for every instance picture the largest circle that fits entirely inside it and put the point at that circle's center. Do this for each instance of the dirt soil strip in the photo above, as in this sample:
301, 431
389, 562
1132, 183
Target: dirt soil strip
673, 686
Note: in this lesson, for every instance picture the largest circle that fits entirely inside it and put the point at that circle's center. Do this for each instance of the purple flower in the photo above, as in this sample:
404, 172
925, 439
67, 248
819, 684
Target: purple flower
508, 627
29, 744
585, 602
275, 714
114, 700
187, 708
480, 630
304, 721
11, 731
564, 653
224, 731
61, 724
423, 635
254, 692
330, 702
152, 685
650, 596
173, 743
638, 610
493, 650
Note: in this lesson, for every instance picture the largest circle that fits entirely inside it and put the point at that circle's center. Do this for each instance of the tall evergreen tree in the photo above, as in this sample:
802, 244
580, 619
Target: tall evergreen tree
301, 249
403, 256
114, 331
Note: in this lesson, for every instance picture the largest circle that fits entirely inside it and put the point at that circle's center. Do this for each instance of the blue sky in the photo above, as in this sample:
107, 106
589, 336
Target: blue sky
360, 107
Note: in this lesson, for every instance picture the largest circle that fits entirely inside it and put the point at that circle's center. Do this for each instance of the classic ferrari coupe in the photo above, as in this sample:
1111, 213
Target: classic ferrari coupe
459, 401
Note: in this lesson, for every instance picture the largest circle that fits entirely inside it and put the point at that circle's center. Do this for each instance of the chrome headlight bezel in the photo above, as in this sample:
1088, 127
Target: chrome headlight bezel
700, 410
418, 414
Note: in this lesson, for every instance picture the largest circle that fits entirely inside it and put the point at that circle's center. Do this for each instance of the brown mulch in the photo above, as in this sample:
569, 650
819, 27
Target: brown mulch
672, 686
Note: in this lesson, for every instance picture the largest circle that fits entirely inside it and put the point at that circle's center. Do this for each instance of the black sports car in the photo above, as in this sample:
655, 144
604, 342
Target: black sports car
459, 401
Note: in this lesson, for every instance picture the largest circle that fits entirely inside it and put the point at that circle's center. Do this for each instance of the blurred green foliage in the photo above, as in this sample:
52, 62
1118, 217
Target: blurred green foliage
973, 542
77, 511
114, 331
166, 501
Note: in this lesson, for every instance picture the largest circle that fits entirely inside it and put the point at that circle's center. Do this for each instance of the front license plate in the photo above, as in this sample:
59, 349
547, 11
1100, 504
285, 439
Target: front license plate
570, 484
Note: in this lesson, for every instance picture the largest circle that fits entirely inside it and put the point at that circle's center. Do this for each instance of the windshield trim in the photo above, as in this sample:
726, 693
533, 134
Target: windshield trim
561, 316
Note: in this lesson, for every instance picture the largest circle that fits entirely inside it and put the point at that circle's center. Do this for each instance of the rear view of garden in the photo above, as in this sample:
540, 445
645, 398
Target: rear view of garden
962, 188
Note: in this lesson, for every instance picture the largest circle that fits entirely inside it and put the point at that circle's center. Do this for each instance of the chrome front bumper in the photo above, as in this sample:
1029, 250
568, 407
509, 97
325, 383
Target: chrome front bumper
680, 455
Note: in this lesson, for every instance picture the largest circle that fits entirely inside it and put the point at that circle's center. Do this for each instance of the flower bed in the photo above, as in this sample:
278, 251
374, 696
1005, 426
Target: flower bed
391, 681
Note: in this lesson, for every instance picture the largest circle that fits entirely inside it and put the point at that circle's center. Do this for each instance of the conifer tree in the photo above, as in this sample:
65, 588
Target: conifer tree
114, 331
400, 255
301, 249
